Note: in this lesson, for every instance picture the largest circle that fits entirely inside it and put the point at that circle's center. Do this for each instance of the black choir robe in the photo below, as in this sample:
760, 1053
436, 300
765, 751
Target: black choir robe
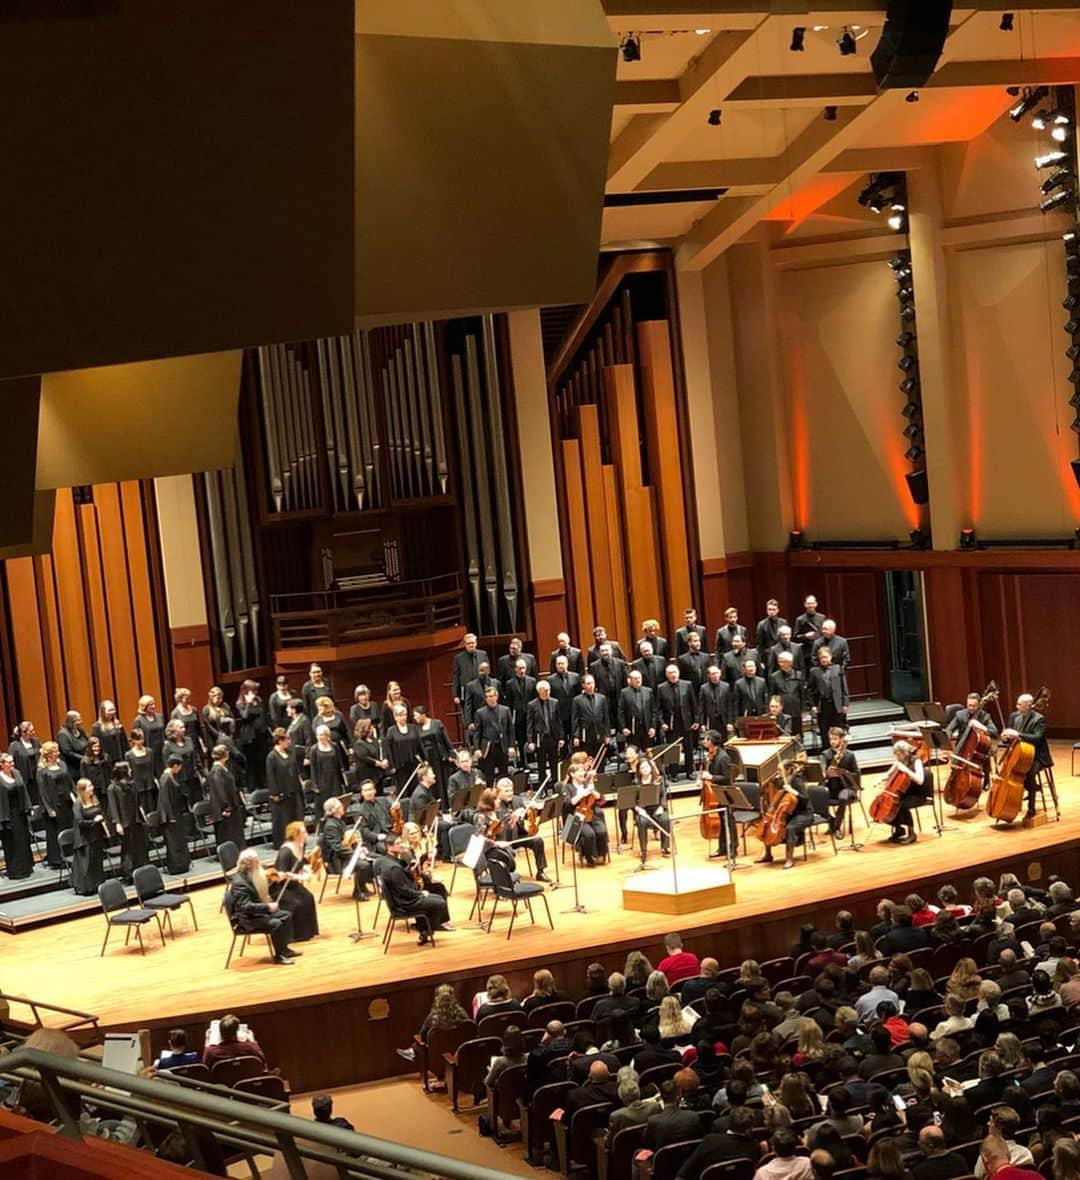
126, 817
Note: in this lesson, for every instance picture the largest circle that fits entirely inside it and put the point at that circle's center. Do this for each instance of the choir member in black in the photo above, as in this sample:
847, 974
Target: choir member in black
338, 844
494, 737
394, 697
792, 783
1030, 725
677, 708
827, 690
731, 664
25, 748
327, 768
517, 693
609, 672
418, 862
277, 704
575, 661
637, 713
213, 713
368, 760
645, 775
290, 892
152, 724
600, 637
565, 685
401, 746
716, 703
317, 685
473, 697
54, 787
808, 628
690, 627
141, 763
72, 739
768, 630
128, 821
301, 735
283, 784
590, 721
726, 633
544, 731
92, 766
112, 735
14, 821
466, 667
435, 747
694, 663
790, 686
251, 908
841, 776
179, 744
650, 666
185, 712
326, 713
237, 761
172, 807
375, 820
784, 643
650, 631
403, 897
510, 811
226, 806
363, 706
504, 666
592, 842
90, 833
781, 720
958, 723
252, 735
837, 645
918, 791
718, 771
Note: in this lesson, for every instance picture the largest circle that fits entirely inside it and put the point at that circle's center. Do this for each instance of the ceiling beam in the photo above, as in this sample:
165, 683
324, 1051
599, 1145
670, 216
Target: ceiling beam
746, 173
792, 90
1049, 71
649, 94
883, 159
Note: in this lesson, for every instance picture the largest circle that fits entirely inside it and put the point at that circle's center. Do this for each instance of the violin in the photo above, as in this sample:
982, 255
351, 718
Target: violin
588, 799
970, 759
532, 812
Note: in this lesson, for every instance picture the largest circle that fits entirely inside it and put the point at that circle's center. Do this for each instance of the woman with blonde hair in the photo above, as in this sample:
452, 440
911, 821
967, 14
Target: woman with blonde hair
749, 969
964, 980
152, 724
637, 969
1011, 1051
672, 1024
544, 991
796, 1096
656, 987
865, 951
394, 696
920, 1072
811, 1044
1065, 970
54, 788
445, 1012
496, 997
213, 713
109, 730
89, 831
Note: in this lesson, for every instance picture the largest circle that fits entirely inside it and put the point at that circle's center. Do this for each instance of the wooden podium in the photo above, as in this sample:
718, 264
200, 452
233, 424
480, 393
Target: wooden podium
679, 890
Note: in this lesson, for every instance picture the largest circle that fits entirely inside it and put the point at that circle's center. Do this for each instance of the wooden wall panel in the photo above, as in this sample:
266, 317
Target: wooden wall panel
55, 671
125, 660
550, 616
151, 679
97, 610
192, 665
72, 605
581, 578
28, 651
617, 555
665, 466
599, 545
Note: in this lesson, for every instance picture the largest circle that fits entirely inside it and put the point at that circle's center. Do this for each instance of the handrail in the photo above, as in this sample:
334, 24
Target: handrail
418, 588
81, 1017
249, 1127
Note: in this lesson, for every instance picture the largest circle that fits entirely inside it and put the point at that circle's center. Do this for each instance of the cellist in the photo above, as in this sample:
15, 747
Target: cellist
578, 793
793, 785
918, 791
1029, 724
718, 771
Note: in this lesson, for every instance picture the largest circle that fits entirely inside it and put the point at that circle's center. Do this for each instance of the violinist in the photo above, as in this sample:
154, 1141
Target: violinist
646, 774
580, 795
402, 895
841, 776
338, 846
466, 774
918, 790
418, 862
510, 811
289, 891
1028, 724
792, 786
376, 822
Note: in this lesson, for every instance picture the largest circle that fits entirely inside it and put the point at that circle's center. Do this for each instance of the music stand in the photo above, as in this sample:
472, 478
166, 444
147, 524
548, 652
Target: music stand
733, 799
549, 813
757, 729
571, 834
813, 773
632, 797
520, 779
669, 755
359, 853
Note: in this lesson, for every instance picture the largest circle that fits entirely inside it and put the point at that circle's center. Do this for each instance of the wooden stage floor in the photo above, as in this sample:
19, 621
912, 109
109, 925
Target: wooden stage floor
185, 983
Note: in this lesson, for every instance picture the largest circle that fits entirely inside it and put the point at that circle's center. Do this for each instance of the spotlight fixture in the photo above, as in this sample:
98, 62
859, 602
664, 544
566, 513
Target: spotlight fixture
1071, 301
795, 539
830, 114
919, 539
1072, 262
1074, 401
1029, 100
1056, 180
906, 363
911, 96
909, 385
1075, 425
907, 312
798, 35
1075, 465
1060, 132
968, 540
910, 410
846, 42
1057, 200
905, 338
1074, 377
1049, 159
912, 431
1006, 22
914, 453
631, 48
904, 293
714, 118
1072, 327
919, 490
1073, 351
896, 221
897, 262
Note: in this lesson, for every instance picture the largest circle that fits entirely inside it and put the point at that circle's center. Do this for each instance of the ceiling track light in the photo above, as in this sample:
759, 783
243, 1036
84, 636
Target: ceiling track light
1070, 301
1057, 200
1072, 326
1074, 377
1074, 401
1050, 159
906, 363
1006, 22
1075, 425
905, 338
831, 114
897, 222
1073, 351
914, 453
912, 430
909, 385
1029, 100
1056, 179
911, 96
630, 47
846, 42
911, 409
899, 261
714, 118
798, 36
907, 313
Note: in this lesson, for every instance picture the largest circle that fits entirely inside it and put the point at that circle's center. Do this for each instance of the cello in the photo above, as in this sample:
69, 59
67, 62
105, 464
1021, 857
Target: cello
772, 828
970, 759
885, 807
1015, 760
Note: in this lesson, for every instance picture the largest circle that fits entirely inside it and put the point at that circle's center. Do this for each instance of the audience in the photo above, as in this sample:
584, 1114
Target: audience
178, 1052
322, 1109
677, 964
231, 1043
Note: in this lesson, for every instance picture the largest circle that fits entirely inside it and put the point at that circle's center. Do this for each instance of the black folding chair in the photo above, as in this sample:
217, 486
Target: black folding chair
118, 911
506, 888
150, 889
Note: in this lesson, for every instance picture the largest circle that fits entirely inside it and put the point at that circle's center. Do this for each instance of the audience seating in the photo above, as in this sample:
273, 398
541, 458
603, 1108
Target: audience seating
668, 1160
574, 1144
561, 1010
467, 1067
235, 1069
745, 1169
431, 1054
535, 1118
616, 1159
266, 1085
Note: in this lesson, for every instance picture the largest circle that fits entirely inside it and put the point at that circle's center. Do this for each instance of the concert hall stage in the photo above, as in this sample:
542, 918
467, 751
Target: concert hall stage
337, 1015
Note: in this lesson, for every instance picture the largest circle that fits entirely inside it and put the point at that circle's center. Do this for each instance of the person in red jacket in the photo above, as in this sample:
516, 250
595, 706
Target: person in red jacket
678, 964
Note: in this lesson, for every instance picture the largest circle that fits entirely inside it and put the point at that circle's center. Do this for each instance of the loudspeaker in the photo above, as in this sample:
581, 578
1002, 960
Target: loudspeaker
918, 486
911, 42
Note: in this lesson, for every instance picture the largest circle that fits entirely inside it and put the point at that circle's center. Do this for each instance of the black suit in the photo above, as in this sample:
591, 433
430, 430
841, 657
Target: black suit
225, 797
651, 669
942, 1165
475, 697
637, 713
718, 1148
563, 690
677, 707
504, 668
659, 645
838, 645
682, 638
518, 691
590, 1094
610, 677
829, 695
466, 665
724, 636
751, 697
772, 655
768, 633
590, 720
671, 1125
716, 705
790, 687
286, 794
544, 730
250, 913
593, 654
494, 738
575, 662
402, 896
731, 663
692, 667
958, 724
807, 630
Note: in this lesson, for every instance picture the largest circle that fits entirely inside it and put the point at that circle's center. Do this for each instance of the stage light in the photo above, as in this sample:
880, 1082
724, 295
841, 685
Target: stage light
897, 262
1057, 200
896, 221
904, 293
1074, 377
968, 539
907, 312
906, 363
1073, 351
714, 118
918, 488
1070, 301
1059, 133
1056, 179
631, 48
1075, 425
1006, 22
703, 32
905, 338
914, 453
1074, 401
1075, 465
1049, 158
846, 42
1029, 100
1071, 326
795, 539
798, 35
912, 431
909, 385
1072, 261
830, 114
910, 410
919, 539
911, 96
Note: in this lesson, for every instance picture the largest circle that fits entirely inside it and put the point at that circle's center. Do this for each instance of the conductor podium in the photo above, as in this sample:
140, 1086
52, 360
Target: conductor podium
679, 890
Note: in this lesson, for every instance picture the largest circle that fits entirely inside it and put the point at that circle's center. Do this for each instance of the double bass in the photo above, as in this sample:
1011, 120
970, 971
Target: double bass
1007, 791
970, 759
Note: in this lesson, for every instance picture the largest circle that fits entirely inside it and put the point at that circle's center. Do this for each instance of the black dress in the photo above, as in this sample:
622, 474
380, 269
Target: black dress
172, 807
142, 775
154, 731
326, 774
402, 751
114, 742
365, 755
211, 718
253, 741
296, 898
96, 771
54, 790
72, 743
124, 812
225, 797
26, 763
15, 827
192, 722
88, 861
188, 775
436, 750
286, 794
